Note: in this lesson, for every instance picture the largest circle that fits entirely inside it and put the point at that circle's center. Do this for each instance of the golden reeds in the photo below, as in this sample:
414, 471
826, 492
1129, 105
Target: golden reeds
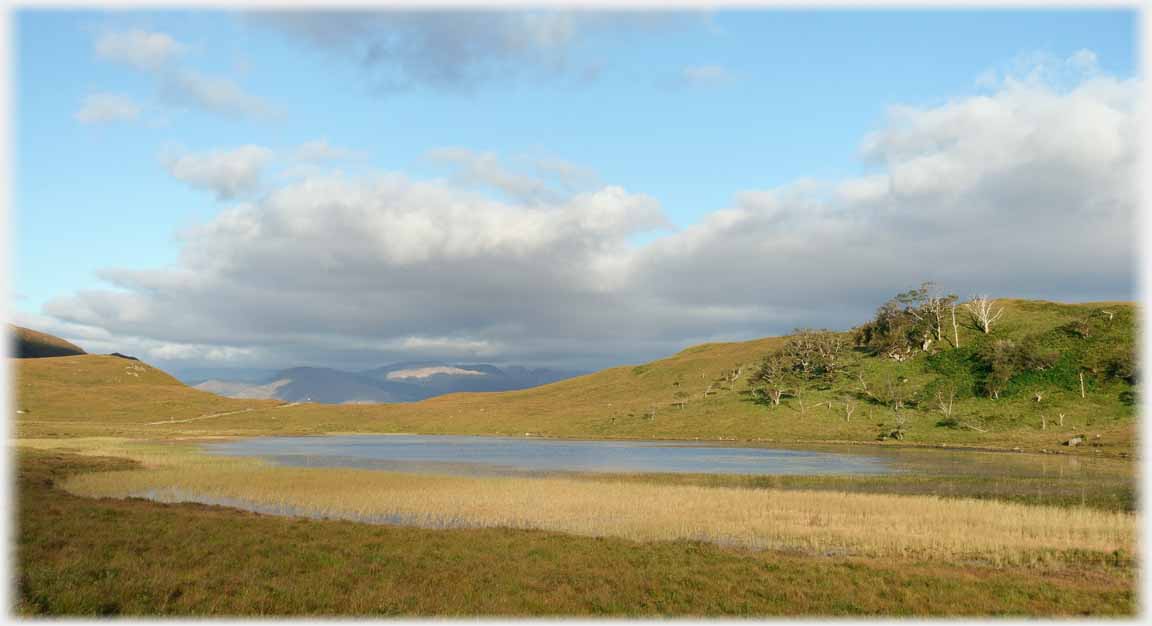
920, 527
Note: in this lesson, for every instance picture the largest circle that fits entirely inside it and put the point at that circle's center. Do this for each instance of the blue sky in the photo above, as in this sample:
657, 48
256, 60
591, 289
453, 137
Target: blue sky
778, 96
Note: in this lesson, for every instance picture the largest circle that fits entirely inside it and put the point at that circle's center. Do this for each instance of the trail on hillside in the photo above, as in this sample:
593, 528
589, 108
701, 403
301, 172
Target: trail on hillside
211, 415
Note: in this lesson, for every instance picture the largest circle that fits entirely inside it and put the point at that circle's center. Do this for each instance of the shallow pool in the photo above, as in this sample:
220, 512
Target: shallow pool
514, 455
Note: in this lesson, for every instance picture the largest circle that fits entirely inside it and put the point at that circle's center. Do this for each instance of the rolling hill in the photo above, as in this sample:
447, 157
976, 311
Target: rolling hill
31, 344
691, 394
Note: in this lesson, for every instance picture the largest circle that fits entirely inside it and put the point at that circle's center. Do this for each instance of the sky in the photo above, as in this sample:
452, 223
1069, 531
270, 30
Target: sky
581, 189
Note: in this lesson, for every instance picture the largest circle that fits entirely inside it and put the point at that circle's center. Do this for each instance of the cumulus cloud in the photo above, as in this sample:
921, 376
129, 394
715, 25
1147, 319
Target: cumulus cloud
101, 108
1030, 191
227, 173
321, 150
459, 50
381, 266
141, 49
1027, 191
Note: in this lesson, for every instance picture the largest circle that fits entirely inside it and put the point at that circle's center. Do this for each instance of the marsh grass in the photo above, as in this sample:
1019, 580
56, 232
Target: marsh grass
820, 522
87, 557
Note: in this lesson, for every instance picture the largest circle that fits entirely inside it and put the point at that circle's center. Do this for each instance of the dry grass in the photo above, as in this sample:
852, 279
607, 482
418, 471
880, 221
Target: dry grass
886, 526
86, 557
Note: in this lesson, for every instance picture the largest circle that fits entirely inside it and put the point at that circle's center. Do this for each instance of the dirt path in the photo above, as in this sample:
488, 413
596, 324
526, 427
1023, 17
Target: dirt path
211, 415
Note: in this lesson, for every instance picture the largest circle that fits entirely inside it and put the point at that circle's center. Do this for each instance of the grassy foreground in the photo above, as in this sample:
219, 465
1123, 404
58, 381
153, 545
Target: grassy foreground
80, 556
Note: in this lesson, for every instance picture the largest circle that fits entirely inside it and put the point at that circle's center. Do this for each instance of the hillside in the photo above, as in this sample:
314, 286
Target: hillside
691, 395
103, 394
31, 344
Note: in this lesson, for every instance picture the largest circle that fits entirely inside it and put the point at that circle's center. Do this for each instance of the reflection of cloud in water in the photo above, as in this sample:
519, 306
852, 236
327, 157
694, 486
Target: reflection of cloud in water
456, 454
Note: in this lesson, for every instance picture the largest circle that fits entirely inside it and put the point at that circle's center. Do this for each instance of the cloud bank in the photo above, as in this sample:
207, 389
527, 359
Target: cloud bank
1028, 190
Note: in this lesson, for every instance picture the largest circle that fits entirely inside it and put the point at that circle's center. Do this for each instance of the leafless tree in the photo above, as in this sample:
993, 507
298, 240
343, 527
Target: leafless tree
849, 407
929, 307
895, 393
955, 328
946, 400
984, 312
732, 375
798, 393
864, 387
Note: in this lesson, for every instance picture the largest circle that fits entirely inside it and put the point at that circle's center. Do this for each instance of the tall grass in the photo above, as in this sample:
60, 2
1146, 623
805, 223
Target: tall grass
918, 527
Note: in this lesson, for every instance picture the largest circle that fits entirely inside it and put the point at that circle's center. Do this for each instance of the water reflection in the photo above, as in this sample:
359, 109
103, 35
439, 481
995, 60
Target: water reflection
508, 455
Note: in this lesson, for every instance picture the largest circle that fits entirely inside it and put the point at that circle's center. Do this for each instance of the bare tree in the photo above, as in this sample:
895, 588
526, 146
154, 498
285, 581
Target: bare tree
849, 407
955, 328
798, 393
946, 400
984, 312
733, 375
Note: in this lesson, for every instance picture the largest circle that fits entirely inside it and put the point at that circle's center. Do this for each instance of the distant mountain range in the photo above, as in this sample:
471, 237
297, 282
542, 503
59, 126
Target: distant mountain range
399, 382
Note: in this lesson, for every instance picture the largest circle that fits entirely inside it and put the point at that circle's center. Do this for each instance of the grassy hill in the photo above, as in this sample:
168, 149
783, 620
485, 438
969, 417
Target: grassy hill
31, 344
103, 395
691, 394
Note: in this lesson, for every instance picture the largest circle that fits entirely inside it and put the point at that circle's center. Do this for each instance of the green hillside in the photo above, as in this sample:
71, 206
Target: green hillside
709, 391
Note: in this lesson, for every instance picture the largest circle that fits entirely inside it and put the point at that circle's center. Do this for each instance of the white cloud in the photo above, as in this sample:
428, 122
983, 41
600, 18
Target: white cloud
1084, 61
141, 49
227, 173
103, 108
213, 94
1029, 190
156, 52
485, 168
553, 180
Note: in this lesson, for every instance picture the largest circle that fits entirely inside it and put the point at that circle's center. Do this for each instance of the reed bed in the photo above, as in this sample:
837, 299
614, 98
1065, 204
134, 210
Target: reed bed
875, 525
